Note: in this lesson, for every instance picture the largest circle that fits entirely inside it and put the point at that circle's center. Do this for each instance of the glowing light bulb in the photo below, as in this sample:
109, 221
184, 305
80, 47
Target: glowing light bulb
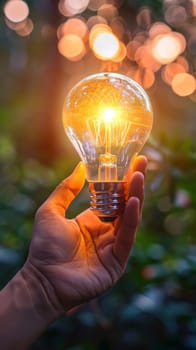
108, 118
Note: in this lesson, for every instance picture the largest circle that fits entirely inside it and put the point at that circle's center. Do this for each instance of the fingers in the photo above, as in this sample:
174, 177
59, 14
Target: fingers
139, 164
136, 188
129, 222
135, 178
66, 191
126, 233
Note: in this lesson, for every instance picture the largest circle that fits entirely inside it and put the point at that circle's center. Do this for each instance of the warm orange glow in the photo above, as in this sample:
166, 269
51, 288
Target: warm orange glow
96, 30
16, 10
132, 47
72, 47
184, 84
141, 37
145, 59
158, 28
165, 48
118, 26
109, 66
144, 77
59, 31
170, 71
121, 54
105, 115
104, 44
183, 62
181, 40
93, 20
109, 115
74, 26
139, 48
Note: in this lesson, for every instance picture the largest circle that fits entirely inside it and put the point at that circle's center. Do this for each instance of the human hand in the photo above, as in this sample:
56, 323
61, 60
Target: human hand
76, 260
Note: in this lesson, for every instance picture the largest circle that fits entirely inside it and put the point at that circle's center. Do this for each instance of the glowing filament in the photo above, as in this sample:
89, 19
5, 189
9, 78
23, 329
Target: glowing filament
108, 118
108, 115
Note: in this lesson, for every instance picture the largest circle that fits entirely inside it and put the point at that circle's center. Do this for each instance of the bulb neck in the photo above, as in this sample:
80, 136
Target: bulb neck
107, 199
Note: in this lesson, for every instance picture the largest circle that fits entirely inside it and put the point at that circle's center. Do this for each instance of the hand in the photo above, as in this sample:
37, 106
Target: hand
76, 260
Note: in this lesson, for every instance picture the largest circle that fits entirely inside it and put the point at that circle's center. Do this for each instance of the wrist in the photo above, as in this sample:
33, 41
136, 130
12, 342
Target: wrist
44, 301
25, 310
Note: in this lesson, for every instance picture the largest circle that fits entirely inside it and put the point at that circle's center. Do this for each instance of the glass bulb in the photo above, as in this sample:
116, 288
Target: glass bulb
107, 117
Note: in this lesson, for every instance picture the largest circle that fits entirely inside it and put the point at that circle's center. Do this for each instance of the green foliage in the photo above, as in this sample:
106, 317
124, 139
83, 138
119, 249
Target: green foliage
24, 183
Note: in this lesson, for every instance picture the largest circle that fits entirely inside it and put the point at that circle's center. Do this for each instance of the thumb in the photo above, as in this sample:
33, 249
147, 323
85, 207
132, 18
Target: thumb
67, 190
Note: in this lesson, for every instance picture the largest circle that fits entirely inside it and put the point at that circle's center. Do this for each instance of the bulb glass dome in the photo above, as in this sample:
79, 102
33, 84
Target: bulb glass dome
108, 118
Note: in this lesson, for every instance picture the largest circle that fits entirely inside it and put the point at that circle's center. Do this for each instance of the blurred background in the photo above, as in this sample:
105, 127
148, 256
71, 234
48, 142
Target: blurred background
47, 46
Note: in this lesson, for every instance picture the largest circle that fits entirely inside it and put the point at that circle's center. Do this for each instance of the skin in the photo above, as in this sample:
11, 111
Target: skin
70, 261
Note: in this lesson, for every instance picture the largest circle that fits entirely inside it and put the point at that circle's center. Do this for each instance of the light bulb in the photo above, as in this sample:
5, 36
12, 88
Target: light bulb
108, 118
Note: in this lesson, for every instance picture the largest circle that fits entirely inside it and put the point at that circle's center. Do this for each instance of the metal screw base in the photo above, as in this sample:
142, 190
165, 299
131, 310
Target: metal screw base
107, 199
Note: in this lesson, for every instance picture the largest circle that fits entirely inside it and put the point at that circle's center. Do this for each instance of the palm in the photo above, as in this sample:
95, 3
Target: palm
81, 258
82, 253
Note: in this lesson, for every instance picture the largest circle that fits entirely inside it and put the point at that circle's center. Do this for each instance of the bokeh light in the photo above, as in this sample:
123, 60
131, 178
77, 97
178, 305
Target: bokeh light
75, 26
15, 26
93, 20
105, 45
158, 28
175, 15
144, 77
145, 59
167, 47
94, 5
144, 18
96, 30
108, 11
171, 70
71, 47
70, 8
151, 47
26, 29
76, 6
132, 48
118, 26
121, 53
183, 62
16, 10
183, 84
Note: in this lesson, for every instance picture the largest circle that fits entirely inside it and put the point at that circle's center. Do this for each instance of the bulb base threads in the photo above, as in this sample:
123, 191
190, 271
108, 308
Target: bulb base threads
107, 199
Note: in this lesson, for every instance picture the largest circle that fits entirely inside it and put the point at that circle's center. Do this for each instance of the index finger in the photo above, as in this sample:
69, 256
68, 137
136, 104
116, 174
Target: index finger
126, 233
60, 199
139, 164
